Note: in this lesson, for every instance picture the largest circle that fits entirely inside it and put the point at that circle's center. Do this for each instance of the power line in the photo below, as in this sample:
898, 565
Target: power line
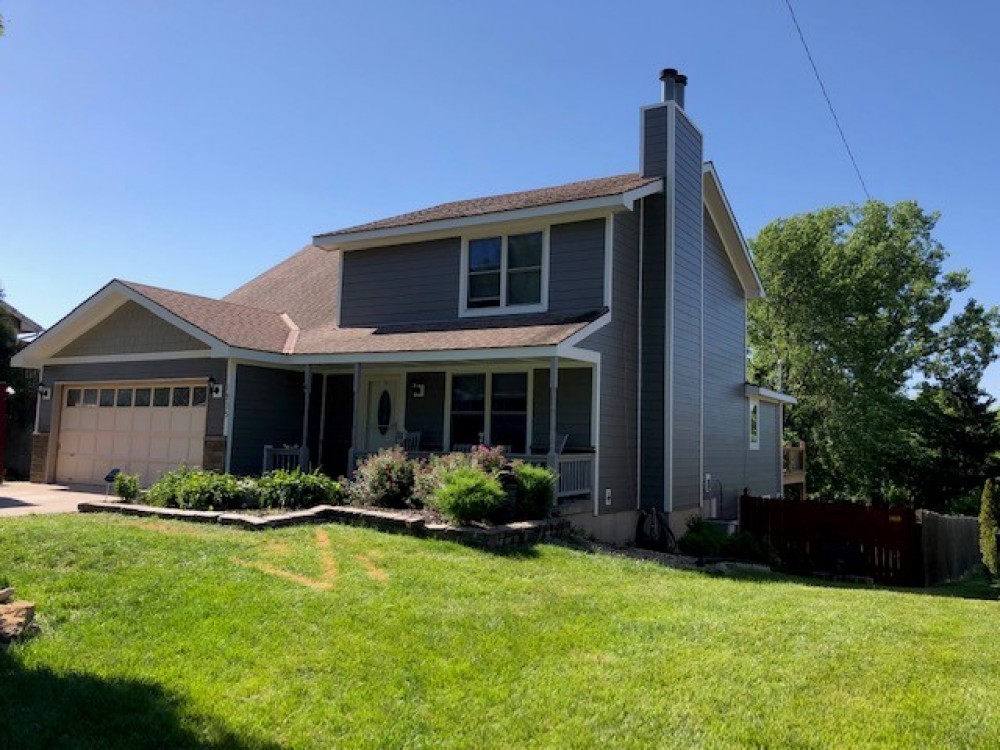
833, 112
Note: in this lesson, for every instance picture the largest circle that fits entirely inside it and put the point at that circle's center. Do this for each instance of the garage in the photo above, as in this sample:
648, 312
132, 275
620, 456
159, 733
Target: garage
140, 428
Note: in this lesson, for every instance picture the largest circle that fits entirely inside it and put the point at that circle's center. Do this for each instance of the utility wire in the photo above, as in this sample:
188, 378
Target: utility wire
833, 112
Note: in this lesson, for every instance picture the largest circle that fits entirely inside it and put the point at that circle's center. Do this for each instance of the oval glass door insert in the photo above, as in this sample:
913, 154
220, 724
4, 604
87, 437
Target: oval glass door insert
384, 411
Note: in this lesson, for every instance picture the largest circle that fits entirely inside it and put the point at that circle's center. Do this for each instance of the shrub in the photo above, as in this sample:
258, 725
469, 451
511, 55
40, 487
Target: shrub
295, 489
195, 489
206, 490
745, 546
989, 515
163, 491
702, 539
384, 479
488, 459
536, 491
470, 494
127, 486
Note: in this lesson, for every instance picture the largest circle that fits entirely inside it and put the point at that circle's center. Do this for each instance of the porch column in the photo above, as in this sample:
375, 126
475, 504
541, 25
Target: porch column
553, 391
304, 449
356, 386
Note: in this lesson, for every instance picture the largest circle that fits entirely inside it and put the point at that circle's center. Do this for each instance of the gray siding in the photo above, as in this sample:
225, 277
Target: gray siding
419, 283
131, 329
618, 343
727, 455
573, 407
268, 411
763, 475
653, 343
654, 141
401, 284
576, 266
427, 413
686, 301
122, 372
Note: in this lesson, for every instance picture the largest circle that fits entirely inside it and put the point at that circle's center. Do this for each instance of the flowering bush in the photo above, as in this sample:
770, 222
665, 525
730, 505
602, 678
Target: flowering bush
384, 479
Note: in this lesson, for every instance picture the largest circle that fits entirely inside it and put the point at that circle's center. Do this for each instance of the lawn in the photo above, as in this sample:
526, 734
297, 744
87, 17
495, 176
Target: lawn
160, 634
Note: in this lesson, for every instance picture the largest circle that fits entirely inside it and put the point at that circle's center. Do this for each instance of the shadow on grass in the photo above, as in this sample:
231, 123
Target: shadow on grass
43, 709
974, 586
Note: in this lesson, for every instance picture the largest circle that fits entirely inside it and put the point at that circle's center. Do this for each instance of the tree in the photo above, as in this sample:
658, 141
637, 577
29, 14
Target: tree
989, 515
856, 308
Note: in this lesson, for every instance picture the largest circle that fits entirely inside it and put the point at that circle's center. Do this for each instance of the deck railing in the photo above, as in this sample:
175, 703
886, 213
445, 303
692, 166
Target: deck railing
286, 458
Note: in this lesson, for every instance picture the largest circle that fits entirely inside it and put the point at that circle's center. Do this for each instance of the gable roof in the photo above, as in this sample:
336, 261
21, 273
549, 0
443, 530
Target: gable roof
605, 192
22, 322
735, 243
236, 325
304, 286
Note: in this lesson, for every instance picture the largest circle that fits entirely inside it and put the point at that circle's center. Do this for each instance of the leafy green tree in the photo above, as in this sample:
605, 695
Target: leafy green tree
857, 311
989, 515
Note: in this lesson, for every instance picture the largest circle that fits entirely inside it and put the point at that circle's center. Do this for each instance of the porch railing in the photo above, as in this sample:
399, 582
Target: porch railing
286, 459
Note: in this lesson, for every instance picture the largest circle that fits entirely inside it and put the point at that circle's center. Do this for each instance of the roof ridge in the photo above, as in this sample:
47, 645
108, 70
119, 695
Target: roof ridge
137, 286
293, 334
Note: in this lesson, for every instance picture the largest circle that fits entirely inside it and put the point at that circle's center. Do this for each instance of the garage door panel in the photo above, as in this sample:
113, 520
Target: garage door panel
128, 432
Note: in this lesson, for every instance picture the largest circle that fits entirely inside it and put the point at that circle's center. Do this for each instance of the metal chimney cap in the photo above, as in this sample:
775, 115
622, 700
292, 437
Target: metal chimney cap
672, 74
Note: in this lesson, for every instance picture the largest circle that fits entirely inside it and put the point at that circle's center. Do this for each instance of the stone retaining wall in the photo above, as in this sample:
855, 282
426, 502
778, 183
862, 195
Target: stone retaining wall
406, 522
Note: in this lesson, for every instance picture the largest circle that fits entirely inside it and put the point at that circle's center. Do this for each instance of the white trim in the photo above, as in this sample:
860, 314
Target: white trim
584, 333
766, 394
504, 308
609, 250
638, 369
566, 211
668, 370
142, 357
753, 441
229, 415
735, 244
595, 433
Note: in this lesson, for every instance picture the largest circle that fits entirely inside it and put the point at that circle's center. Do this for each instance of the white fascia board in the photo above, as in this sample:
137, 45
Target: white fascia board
766, 394
140, 357
736, 246
350, 358
585, 332
567, 211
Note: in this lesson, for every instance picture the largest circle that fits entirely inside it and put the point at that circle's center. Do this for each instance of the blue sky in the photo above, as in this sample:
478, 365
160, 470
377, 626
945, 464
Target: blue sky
192, 145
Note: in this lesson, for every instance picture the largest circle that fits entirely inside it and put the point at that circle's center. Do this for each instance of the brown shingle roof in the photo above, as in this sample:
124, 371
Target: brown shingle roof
573, 191
237, 325
542, 329
304, 285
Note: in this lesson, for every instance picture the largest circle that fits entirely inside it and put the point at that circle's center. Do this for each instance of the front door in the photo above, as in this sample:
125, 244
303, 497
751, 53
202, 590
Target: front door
384, 412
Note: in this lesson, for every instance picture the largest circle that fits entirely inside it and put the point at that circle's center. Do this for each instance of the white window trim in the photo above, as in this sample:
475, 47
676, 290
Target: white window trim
753, 403
464, 311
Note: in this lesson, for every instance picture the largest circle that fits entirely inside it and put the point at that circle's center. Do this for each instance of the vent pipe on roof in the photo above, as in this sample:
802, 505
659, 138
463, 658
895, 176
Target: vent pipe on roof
674, 84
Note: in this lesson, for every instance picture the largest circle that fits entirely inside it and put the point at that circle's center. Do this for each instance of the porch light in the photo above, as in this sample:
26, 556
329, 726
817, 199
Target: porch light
44, 392
418, 389
215, 388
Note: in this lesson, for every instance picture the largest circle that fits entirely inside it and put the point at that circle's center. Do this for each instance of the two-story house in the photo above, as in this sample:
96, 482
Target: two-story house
599, 326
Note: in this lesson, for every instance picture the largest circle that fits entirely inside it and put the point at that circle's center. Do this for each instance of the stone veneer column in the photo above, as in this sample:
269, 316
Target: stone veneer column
214, 457
39, 456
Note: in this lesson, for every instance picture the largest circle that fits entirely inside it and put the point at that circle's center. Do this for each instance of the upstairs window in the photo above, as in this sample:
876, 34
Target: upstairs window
754, 426
505, 273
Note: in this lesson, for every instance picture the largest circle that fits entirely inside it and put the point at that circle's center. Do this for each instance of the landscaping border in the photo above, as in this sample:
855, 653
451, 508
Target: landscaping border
411, 523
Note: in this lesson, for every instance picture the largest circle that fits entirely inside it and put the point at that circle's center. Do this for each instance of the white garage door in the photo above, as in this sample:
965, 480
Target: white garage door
141, 428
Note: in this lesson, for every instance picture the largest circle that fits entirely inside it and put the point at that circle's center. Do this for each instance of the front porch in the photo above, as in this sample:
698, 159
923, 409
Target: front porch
539, 411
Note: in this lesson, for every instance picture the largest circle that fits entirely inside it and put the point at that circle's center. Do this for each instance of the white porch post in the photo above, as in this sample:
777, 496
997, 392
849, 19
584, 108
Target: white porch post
553, 390
307, 390
356, 386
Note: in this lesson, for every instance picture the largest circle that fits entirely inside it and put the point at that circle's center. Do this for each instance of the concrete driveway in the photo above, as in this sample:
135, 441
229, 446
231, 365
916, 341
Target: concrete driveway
24, 498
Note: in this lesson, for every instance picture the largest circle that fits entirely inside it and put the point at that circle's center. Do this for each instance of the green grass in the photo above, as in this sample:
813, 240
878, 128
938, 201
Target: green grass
160, 634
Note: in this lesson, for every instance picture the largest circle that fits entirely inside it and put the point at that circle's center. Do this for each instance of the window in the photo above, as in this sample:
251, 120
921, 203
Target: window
161, 397
73, 397
107, 396
505, 273
754, 424
142, 396
490, 409
124, 397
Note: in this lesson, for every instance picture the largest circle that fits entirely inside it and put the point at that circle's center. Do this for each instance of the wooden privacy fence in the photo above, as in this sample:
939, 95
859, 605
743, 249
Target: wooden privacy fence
895, 546
950, 546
